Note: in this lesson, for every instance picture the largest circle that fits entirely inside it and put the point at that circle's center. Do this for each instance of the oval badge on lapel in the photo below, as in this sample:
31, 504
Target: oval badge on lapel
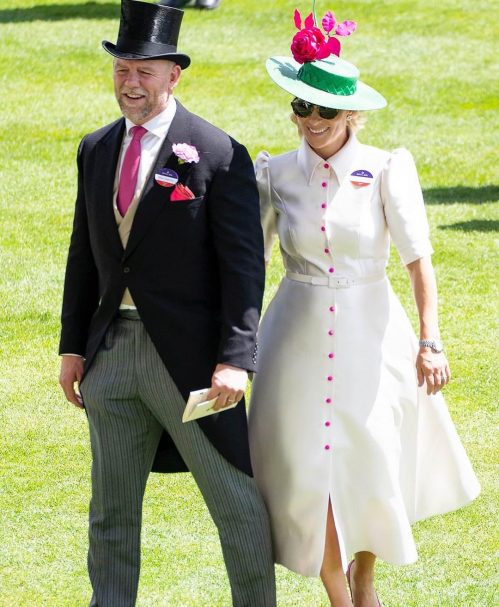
361, 178
166, 178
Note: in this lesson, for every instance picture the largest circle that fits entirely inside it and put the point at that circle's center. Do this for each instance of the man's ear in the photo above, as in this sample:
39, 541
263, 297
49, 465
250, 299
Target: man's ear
175, 75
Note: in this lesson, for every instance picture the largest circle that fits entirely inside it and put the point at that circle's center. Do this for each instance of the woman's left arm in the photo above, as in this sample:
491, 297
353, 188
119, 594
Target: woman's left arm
431, 367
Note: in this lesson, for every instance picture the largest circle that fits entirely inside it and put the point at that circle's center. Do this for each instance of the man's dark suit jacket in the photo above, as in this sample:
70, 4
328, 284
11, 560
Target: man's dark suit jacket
194, 268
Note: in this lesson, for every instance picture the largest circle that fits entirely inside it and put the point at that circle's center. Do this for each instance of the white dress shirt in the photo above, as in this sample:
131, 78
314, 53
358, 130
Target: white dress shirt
157, 129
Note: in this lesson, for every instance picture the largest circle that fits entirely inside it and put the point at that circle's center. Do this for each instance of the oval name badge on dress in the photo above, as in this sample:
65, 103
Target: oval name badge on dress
166, 178
361, 178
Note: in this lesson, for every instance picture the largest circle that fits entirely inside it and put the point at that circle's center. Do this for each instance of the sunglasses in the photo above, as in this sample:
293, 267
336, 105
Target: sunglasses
303, 109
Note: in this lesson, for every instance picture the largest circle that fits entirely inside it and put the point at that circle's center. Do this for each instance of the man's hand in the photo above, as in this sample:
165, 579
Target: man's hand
229, 384
71, 373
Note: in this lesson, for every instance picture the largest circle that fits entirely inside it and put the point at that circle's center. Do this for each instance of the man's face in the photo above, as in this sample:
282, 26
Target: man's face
143, 87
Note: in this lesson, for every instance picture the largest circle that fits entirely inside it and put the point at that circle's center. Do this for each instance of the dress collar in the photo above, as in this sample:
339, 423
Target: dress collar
160, 124
340, 162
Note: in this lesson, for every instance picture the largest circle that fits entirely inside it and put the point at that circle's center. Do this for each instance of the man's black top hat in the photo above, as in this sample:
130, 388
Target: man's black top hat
148, 31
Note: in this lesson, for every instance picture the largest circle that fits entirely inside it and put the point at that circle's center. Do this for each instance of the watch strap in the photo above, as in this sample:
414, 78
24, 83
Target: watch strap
436, 346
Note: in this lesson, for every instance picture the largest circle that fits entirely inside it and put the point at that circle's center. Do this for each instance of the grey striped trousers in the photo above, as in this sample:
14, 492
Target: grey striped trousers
130, 397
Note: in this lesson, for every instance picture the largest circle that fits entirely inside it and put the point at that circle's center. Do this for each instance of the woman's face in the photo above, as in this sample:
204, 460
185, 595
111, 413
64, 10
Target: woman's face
324, 136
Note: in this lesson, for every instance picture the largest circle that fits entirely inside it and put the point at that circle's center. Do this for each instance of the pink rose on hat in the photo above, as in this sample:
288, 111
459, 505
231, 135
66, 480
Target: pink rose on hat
310, 44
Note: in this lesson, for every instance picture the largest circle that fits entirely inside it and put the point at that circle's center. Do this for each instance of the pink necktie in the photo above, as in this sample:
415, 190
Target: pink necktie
130, 170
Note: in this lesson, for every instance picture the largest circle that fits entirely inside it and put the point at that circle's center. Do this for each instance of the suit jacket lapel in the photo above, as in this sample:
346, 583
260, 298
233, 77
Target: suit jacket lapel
107, 154
154, 199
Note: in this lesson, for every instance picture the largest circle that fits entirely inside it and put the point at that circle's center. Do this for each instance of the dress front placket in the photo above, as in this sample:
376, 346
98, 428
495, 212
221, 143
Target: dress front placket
325, 172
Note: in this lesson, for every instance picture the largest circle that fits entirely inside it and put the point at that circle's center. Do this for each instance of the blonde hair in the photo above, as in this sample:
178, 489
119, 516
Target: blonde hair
357, 121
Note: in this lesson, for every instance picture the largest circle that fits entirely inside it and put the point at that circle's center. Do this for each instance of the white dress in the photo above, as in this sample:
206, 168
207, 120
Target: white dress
335, 411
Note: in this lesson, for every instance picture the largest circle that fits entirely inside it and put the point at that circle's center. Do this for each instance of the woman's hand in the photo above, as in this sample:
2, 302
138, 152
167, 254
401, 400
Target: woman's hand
432, 368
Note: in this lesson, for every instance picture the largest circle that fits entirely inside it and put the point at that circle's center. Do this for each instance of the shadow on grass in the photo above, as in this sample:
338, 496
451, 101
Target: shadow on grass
474, 225
487, 193
59, 12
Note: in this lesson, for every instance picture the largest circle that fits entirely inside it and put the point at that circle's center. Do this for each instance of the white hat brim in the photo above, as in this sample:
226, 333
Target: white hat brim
284, 72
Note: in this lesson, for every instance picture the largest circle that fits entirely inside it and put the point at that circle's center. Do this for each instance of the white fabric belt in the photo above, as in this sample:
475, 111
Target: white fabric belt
333, 282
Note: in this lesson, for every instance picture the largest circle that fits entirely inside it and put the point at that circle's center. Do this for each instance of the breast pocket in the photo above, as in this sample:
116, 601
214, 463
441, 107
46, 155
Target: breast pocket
188, 208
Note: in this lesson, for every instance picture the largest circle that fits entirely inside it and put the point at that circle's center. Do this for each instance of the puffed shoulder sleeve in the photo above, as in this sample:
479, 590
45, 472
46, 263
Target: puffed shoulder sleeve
404, 207
268, 214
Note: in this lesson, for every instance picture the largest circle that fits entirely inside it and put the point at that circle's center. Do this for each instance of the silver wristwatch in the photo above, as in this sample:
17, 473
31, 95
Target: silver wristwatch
435, 345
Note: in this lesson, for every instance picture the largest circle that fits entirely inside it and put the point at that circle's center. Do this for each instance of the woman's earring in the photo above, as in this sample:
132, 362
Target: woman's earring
349, 116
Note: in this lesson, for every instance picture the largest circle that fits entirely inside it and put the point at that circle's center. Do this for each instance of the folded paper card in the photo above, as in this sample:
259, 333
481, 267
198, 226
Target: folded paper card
197, 406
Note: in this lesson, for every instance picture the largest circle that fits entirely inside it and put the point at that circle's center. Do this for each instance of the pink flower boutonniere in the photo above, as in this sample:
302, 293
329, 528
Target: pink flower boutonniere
185, 153
310, 44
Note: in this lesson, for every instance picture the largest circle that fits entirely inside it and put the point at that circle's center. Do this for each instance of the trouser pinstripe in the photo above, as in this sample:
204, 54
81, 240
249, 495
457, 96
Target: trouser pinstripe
130, 397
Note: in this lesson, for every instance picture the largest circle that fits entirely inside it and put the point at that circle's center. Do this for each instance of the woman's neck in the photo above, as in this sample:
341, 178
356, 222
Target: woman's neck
334, 147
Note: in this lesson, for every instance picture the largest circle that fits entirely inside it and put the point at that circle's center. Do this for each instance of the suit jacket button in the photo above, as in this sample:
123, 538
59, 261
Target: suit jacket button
126, 269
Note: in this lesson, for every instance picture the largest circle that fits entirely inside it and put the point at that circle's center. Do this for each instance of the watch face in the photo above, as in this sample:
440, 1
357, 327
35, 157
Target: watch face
437, 346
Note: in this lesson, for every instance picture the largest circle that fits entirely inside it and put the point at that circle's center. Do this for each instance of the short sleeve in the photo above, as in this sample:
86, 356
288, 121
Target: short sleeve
404, 207
268, 214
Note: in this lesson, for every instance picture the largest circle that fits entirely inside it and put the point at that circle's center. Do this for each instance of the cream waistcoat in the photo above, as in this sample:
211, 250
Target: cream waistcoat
157, 129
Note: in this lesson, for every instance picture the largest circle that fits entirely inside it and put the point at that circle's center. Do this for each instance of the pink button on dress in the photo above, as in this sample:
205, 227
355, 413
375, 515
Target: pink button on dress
397, 458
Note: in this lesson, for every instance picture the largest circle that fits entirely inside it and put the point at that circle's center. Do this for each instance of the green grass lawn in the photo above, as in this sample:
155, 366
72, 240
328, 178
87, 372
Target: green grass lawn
435, 63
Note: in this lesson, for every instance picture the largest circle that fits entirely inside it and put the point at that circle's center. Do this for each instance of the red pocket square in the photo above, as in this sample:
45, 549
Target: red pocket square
181, 192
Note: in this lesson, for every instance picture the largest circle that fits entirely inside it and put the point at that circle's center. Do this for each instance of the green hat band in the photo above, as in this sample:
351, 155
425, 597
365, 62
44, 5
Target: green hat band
326, 81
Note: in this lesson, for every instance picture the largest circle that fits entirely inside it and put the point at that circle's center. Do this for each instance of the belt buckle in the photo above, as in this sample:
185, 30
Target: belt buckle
339, 283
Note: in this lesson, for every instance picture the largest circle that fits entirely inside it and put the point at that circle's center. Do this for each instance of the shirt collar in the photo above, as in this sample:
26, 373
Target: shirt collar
340, 162
160, 124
